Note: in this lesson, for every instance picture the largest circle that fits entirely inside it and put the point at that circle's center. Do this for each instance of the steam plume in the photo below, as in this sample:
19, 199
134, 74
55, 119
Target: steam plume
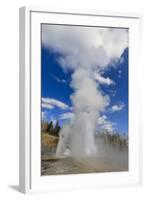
84, 51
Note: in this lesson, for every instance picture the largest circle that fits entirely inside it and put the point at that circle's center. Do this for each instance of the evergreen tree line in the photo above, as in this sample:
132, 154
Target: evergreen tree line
114, 139
51, 129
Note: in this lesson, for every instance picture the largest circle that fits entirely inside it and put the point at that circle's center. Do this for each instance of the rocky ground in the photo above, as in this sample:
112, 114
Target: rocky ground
112, 157
80, 165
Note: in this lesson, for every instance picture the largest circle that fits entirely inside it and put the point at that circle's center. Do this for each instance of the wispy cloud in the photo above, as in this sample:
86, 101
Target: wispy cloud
112, 92
102, 120
119, 73
47, 105
59, 80
103, 80
66, 116
117, 107
50, 103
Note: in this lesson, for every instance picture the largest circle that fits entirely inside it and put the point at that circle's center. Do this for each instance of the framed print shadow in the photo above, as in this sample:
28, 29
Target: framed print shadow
79, 100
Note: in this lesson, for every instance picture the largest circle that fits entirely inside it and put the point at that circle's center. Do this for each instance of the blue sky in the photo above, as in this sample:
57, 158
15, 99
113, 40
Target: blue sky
56, 91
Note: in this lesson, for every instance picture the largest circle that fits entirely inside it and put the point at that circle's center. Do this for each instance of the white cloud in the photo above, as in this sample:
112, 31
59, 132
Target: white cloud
48, 106
85, 47
103, 80
67, 115
59, 80
104, 123
44, 115
50, 103
117, 107
102, 120
108, 126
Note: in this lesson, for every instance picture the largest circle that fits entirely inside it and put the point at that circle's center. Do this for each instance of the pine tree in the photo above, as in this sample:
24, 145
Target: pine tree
50, 128
57, 129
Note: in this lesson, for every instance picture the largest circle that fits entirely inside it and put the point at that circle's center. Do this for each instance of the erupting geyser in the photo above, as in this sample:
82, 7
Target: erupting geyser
87, 102
86, 52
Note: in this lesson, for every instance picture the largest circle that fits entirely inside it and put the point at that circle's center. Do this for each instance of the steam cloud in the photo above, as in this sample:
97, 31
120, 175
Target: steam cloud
87, 52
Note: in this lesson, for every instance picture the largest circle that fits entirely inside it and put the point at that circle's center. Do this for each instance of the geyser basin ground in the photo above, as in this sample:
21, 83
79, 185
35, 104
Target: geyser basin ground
70, 165
111, 156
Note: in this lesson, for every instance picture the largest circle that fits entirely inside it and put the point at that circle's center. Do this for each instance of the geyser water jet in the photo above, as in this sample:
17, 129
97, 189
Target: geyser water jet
87, 102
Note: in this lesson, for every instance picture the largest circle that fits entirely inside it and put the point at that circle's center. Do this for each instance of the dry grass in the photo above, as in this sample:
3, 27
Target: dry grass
49, 141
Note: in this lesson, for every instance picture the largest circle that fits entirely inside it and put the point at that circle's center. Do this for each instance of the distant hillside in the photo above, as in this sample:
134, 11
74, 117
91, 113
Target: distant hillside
48, 144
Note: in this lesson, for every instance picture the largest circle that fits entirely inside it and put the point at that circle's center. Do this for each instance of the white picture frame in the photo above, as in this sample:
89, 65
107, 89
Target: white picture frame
30, 178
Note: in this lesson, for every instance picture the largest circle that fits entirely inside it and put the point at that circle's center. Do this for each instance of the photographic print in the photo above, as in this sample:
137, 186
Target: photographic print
84, 99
